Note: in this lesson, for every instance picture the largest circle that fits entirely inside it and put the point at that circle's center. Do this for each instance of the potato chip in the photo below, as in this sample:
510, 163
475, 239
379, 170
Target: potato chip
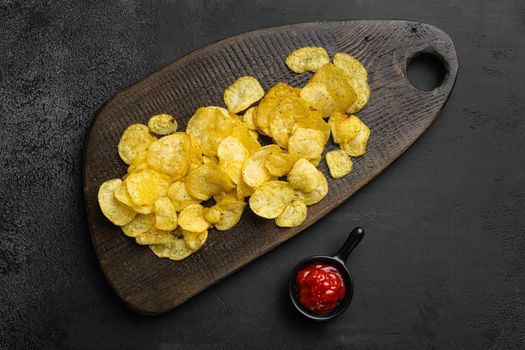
116, 212
207, 181
175, 250
254, 173
135, 139
307, 59
254, 135
140, 162
294, 214
269, 103
242, 93
279, 163
303, 176
284, 115
316, 161
195, 155
192, 218
162, 124
224, 196
314, 121
362, 89
269, 200
156, 236
242, 133
195, 240
208, 127
140, 224
179, 196
122, 195
171, 155
351, 65
144, 187
165, 214
329, 90
357, 146
213, 214
306, 143
343, 127
232, 155
249, 118
232, 214
210, 159
243, 190
339, 163
316, 195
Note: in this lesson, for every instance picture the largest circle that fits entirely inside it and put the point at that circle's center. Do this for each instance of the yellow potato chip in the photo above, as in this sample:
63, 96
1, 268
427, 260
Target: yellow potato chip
208, 127
281, 127
304, 176
339, 163
179, 196
306, 143
329, 90
254, 135
254, 173
279, 163
316, 195
195, 155
175, 250
243, 190
269, 200
249, 118
207, 181
156, 236
140, 162
307, 59
232, 155
144, 187
171, 155
269, 103
357, 146
165, 214
122, 195
195, 240
140, 224
351, 65
232, 214
242, 133
293, 215
162, 124
210, 159
362, 89
213, 214
242, 93
314, 121
224, 196
316, 161
116, 212
135, 139
192, 218
343, 127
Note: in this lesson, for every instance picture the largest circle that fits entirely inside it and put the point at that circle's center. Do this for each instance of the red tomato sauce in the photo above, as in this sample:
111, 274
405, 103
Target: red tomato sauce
320, 287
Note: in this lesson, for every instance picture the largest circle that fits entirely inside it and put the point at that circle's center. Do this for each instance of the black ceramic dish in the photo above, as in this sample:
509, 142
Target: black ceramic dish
338, 261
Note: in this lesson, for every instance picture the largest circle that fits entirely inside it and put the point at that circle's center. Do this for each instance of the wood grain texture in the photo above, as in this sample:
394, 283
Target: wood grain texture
397, 114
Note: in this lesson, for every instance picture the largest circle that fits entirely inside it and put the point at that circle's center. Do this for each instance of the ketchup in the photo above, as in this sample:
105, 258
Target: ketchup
320, 287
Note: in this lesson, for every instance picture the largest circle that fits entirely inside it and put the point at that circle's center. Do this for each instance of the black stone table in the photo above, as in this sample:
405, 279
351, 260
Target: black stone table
442, 265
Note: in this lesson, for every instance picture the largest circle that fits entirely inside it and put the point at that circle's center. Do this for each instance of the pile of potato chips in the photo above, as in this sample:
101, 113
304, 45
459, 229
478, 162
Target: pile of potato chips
181, 184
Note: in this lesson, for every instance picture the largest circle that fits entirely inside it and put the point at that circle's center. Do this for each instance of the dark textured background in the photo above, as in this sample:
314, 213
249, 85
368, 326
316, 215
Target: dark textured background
442, 265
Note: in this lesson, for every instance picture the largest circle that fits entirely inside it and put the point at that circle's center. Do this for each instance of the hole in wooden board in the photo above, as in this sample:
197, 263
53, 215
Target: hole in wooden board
426, 70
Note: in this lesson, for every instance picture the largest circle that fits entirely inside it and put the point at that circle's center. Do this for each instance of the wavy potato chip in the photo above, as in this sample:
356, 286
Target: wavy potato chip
135, 139
242, 93
317, 194
269, 200
339, 163
343, 127
140, 224
196, 158
294, 214
208, 127
316, 161
362, 89
232, 212
242, 133
357, 146
210, 159
249, 118
307, 59
213, 214
192, 218
170, 155
177, 249
243, 190
314, 121
179, 196
232, 155
319, 96
269, 103
165, 214
284, 116
116, 212
207, 181
156, 236
254, 173
122, 195
279, 163
224, 196
304, 176
351, 65
139, 162
162, 124
195, 240
144, 187
306, 143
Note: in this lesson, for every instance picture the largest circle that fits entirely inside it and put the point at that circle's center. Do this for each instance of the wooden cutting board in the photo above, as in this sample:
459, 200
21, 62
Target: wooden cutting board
397, 114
